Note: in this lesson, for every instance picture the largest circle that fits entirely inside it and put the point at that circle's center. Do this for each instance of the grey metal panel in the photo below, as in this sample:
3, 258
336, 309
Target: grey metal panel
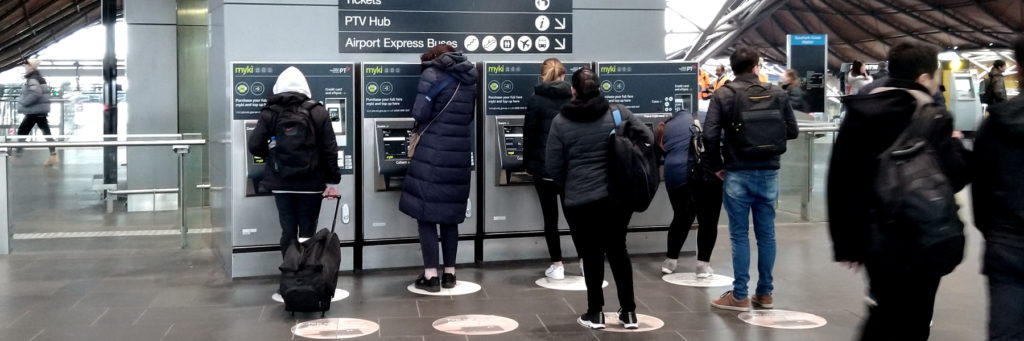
153, 104
266, 263
619, 4
5, 221
150, 12
395, 256
536, 248
219, 148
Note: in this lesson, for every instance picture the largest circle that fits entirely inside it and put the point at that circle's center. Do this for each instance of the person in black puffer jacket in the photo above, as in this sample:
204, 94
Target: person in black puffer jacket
298, 200
999, 211
577, 159
547, 101
436, 187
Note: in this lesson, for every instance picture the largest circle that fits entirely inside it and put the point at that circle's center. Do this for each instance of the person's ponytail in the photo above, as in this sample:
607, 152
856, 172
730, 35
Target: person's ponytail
552, 70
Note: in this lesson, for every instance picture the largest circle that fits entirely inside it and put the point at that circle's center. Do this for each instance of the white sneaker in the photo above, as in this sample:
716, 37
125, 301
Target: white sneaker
704, 270
555, 272
669, 266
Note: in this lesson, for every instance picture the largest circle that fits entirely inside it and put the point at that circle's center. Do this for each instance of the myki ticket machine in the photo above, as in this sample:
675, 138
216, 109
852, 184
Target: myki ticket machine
652, 91
510, 200
388, 93
256, 231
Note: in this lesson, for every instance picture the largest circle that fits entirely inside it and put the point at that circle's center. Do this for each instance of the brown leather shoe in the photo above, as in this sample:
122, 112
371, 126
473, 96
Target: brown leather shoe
762, 301
729, 302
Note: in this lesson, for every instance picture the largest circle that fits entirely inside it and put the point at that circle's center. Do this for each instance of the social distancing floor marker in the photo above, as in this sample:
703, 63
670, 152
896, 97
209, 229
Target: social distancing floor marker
475, 325
783, 319
690, 279
647, 323
335, 328
461, 288
570, 283
338, 296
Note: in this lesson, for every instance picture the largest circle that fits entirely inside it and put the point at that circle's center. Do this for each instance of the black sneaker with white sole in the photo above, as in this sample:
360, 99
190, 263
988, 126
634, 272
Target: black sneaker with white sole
629, 320
592, 320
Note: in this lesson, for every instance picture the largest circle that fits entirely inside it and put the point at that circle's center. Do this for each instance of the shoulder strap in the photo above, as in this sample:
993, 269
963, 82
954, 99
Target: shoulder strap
921, 122
440, 86
457, 87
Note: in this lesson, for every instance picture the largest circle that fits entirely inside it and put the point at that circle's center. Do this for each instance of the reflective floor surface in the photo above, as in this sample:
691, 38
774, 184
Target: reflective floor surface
171, 294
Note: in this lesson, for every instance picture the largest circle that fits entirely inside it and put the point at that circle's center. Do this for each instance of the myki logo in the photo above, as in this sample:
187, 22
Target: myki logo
245, 70
496, 69
379, 69
608, 69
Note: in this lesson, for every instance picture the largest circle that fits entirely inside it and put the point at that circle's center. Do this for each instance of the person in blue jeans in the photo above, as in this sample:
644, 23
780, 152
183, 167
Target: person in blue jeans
750, 169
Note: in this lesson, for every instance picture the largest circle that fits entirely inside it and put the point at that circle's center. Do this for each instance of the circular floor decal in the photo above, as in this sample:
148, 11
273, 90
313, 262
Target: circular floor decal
570, 283
338, 296
334, 328
783, 319
647, 323
461, 288
476, 325
690, 279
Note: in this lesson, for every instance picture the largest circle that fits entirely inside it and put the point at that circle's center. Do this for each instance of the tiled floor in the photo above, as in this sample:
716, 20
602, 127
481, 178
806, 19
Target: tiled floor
170, 294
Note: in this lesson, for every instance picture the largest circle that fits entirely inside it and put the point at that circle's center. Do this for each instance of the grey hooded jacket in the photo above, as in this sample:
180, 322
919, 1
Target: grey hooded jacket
35, 96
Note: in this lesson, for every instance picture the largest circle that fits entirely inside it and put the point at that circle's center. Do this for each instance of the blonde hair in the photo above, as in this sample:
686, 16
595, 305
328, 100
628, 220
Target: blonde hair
552, 70
794, 79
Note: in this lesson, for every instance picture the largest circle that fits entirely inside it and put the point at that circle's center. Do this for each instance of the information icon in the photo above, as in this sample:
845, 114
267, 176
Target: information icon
543, 43
508, 43
472, 43
525, 43
490, 43
542, 23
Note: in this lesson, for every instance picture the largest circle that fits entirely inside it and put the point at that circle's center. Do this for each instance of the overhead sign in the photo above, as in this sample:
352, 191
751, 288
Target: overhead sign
807, 39
507, 86
655, 87
413, 26
389, 89
808, 55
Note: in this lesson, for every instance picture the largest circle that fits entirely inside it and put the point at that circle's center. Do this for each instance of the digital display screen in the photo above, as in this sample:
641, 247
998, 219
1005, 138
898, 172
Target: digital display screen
396, 143
513, 140
335, 114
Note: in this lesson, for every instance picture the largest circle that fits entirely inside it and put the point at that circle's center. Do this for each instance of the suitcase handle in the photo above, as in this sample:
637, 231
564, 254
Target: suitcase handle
337, 207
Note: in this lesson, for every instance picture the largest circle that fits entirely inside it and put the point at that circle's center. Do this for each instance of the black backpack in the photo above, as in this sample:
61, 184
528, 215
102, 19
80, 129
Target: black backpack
758, 129
917, 211
984, 94
633, 171
309, 272
294, 151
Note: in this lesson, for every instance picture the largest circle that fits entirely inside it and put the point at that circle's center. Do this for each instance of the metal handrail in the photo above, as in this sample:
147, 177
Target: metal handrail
152, 136
88, 144
142, 191
818, 129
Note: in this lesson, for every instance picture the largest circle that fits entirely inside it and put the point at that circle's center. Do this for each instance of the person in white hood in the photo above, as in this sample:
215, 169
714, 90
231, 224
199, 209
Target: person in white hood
292, 130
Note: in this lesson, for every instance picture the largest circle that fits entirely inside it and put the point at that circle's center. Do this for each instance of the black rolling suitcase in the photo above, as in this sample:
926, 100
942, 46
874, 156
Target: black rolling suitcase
309, 273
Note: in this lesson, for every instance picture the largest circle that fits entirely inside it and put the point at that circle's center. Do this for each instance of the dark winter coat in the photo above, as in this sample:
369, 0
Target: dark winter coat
328, 172
995, 87
436, 186
998, 167
721, 113
677, 149
872, 124
796, 96
35, 95
577, 149
541, 108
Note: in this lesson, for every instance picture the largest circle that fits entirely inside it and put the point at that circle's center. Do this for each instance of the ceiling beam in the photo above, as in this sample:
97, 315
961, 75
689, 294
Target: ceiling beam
914, 35
926, 21
853, 23
957, 18
708, 30
834, 32
998, 19
24, 18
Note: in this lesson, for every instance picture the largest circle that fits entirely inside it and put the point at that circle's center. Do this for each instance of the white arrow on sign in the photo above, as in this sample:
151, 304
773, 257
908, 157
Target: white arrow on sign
560, 24
561, 44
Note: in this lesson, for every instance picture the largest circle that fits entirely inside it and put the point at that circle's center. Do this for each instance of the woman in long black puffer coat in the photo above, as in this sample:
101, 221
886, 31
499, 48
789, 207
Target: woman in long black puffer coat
436, 187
